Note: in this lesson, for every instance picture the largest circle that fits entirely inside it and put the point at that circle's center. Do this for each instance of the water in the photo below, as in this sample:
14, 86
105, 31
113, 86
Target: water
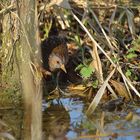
115, 126
65, 119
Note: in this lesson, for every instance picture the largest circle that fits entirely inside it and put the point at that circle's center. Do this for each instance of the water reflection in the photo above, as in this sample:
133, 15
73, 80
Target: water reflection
62, 118
10, 124
56, 122
66, 120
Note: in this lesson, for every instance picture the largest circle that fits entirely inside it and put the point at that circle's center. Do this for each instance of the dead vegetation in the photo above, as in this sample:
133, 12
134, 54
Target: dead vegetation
103, 39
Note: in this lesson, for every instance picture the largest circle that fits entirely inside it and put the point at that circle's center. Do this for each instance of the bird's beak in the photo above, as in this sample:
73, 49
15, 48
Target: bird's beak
63, 68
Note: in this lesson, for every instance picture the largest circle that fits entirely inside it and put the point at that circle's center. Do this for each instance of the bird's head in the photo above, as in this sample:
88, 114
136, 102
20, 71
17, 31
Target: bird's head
57, 61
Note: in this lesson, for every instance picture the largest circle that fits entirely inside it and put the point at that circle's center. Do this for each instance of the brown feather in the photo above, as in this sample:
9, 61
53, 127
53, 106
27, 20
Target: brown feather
56, 45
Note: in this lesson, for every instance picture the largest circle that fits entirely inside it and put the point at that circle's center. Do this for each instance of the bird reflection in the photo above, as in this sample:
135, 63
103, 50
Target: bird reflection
56, 122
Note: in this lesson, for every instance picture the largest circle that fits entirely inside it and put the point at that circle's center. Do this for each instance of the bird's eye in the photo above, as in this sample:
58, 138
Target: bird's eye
57, 62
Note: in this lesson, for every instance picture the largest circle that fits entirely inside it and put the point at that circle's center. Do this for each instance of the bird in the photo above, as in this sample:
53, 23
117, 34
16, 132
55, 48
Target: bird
54, 55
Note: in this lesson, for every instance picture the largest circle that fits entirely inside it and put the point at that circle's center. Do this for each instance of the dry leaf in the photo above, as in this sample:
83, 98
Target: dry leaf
96, 63
120, 88
99, 95
129, 117
77, 87
130, 18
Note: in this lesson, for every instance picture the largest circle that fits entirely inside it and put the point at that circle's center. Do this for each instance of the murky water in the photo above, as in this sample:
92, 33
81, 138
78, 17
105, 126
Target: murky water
65, 119
104, 125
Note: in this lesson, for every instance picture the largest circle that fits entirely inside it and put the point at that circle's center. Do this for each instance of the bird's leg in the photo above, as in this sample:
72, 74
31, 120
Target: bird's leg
61, 92
58, 89
57, 80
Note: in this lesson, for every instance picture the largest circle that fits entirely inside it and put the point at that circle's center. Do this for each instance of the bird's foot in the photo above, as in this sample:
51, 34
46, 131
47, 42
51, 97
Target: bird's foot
58, 91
